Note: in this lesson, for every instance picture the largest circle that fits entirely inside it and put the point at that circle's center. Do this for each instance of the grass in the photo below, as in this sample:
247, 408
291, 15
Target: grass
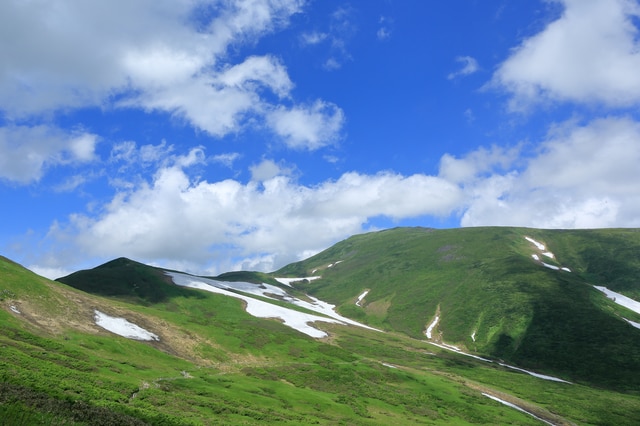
216, 364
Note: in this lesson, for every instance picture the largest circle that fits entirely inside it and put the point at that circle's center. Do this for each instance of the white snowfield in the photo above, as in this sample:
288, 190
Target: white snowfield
362, 296
122, 327
262, 309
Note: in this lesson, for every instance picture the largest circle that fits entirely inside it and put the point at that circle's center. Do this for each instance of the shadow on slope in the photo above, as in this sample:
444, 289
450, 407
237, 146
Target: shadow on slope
129, 280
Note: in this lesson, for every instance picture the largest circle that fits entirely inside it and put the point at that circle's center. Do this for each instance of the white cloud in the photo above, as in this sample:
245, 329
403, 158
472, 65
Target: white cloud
469, 66
267, 169
337, 36
226, 159
583, 176
264, 223
313, 38
590, 54
383, 33
476, 163
159, 59
307, 127
26, 152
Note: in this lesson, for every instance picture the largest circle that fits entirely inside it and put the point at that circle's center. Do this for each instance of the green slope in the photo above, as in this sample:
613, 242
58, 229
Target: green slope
486, 285
215, 364
126, 279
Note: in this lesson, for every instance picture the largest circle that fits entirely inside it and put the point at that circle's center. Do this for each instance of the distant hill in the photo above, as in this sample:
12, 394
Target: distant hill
128, 279
129, 344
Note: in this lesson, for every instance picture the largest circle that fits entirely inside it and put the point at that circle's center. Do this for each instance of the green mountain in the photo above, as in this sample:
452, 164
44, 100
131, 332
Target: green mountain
493, 297
204, 350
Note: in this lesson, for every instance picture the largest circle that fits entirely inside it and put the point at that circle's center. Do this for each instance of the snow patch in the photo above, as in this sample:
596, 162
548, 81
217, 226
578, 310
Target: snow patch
540, 246
554, 267
508, 404
432, 326
531, 373
620, 299
122, 327
389, 365
547, 254
473, 336
362, 296
14, 309
262, 309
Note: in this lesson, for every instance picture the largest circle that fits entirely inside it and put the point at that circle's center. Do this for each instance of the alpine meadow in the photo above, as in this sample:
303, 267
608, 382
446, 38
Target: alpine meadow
401, 326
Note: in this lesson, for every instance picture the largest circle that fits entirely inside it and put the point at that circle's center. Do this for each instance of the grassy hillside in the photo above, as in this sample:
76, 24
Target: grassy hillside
216, 364
492, 297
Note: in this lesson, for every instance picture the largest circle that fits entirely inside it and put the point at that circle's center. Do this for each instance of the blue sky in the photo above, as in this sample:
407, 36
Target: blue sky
210, 136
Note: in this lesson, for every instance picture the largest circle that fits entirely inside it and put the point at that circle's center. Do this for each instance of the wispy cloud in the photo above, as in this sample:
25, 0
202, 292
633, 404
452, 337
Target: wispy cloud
26, 152
385, 28
337, 35
469, 66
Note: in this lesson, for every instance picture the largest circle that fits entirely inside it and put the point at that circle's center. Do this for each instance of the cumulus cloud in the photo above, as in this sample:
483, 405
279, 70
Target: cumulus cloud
583, 176
175, 217
591, 53
580, 176
160, 59
26, 152
307, 126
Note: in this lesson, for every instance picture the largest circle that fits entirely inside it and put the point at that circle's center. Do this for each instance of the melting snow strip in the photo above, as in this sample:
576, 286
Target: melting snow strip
633, 323
508, 404
14, 309
620, 299
362, 296
122, 327
531, 373
540, 246
432, 326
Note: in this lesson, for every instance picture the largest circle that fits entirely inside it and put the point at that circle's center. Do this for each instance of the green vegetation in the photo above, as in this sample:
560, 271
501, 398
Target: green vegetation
126, 279
216, 364
486, 284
